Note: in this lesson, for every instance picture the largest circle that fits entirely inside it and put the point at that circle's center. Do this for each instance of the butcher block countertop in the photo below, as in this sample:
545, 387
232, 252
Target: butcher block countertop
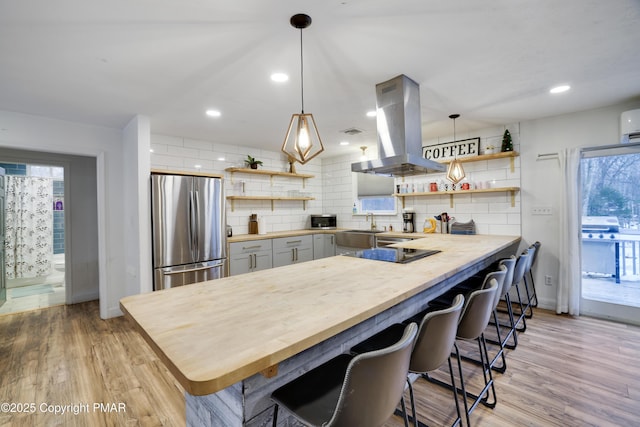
276, 234
213, 334
294, 233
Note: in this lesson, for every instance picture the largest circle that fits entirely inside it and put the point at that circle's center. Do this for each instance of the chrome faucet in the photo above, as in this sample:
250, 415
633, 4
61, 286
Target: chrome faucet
373, 223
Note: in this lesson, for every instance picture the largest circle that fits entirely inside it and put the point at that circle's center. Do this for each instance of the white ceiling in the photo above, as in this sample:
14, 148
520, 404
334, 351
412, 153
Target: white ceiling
492, 61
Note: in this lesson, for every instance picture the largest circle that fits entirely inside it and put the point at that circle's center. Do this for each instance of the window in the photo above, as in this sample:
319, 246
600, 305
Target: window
375, 194
45, 171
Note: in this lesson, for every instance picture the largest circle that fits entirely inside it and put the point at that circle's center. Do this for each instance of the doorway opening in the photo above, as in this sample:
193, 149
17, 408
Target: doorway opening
611, 232
34, 236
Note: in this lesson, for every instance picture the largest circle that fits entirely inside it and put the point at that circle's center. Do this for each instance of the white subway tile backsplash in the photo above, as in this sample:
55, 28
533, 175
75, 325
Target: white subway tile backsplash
198, 144
167, 140
166, 161
182, 152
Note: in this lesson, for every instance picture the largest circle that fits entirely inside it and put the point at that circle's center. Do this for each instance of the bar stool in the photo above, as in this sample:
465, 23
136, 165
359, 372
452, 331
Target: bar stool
517, 318
504, 275
474, 320
537, 245
434, 342
348, 390
509, 264
531, 294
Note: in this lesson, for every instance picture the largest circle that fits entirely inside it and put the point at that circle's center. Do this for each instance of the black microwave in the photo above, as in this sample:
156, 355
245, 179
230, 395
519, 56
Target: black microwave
323, 222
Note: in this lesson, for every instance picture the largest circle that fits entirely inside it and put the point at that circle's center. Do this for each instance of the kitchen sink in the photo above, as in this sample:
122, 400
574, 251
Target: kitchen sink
357, 239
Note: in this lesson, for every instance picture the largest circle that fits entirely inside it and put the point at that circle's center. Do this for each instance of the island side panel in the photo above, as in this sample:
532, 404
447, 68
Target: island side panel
223, 408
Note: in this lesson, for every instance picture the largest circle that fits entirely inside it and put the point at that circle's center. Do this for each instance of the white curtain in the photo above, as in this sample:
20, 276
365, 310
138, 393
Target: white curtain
568, 297
29, 226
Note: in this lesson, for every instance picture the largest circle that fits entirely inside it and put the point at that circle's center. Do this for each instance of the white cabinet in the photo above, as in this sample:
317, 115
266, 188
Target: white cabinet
324, 245
254, 255
292, 250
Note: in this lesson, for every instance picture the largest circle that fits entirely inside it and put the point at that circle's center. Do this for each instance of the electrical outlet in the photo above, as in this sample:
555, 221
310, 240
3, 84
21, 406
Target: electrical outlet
547, 280
541, 210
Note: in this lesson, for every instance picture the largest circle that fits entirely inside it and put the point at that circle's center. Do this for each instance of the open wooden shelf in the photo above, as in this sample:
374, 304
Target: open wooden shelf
502, 155
268, 172
271, 198
452, 193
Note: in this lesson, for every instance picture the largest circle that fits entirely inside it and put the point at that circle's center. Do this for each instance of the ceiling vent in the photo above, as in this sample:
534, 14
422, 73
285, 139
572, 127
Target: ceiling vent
352, 131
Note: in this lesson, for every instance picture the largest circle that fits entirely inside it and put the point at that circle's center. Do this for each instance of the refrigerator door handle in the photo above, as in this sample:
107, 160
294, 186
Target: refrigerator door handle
192, 226
196, 230
206, 267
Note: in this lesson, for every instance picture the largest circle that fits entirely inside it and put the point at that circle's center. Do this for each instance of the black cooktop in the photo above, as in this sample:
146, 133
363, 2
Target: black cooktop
397, 255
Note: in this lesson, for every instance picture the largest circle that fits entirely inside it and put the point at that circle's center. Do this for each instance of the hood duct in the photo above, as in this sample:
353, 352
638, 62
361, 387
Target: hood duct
399, 132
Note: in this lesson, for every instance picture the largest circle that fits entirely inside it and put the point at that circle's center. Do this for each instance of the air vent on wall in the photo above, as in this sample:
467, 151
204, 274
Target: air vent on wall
352, 131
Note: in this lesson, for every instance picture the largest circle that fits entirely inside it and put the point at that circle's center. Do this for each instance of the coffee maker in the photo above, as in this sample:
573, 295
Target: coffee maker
408, 221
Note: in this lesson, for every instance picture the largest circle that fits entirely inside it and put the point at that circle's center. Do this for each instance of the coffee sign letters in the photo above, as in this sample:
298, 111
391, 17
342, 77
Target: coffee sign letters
447, 151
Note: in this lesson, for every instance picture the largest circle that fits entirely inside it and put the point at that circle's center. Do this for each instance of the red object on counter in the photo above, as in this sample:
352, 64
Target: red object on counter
433, 186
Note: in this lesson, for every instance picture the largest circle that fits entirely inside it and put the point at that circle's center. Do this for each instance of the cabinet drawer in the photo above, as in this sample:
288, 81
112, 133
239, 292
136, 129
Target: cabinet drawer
292, 242
249, 247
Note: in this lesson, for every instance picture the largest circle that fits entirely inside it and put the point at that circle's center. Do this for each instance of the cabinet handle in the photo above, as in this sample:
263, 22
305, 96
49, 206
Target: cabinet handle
255, 261
332, 239
250, 261
294, 241
293, 254
244, 248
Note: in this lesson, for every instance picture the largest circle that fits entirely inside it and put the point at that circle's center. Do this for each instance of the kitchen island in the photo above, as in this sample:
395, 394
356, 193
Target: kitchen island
232, 341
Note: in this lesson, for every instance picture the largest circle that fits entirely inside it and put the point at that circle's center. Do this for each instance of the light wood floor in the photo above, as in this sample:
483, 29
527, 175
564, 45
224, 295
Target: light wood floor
565, 372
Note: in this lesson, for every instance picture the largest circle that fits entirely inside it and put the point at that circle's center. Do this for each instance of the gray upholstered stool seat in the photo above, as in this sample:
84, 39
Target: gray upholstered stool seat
434, 342
361, 390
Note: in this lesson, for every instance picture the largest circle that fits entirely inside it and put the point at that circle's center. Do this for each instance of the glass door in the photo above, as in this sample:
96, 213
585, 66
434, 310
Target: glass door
610, 178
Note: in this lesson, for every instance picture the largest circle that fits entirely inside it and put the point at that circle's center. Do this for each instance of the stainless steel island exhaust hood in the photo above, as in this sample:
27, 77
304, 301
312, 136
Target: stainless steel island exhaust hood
399, 132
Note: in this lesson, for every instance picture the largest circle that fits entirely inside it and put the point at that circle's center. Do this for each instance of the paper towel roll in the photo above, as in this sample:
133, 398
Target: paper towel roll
262, 225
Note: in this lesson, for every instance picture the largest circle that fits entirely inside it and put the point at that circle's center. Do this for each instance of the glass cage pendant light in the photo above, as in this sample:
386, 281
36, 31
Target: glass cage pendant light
302, 142
455, 171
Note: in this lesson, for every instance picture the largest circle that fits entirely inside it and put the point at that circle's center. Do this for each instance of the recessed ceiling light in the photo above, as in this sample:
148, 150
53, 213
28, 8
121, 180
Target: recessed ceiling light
197, 166
344, 142
151, 150
213, 113
279, 77
221, 159
560, 89
371, 113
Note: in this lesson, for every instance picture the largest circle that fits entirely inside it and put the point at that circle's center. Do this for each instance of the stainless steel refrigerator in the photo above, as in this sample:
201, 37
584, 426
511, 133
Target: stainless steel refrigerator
188, 230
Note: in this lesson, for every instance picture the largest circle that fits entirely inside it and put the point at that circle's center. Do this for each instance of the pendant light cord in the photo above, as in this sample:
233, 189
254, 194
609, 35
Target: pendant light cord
454, 117
455, 156
301, 72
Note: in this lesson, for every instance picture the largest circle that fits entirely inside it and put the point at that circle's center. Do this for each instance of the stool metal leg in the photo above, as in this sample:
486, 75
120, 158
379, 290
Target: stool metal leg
275, 415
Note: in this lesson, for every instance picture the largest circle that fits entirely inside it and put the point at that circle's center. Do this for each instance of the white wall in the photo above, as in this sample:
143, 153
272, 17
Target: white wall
182, 154
35, 133
541, 180
136, 209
